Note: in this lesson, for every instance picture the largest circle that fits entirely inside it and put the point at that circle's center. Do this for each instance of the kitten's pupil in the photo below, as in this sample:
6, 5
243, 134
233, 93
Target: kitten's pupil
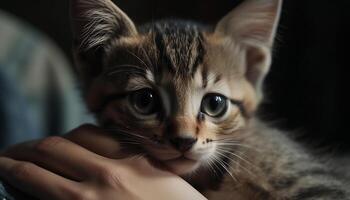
144, 101
214, 105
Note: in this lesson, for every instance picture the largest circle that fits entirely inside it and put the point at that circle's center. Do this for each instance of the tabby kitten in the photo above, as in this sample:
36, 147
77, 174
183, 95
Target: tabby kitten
184, 95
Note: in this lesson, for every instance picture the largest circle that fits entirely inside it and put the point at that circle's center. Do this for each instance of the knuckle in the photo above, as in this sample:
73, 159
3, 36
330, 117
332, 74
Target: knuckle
109, 176
21, 170
48, 143
103, 172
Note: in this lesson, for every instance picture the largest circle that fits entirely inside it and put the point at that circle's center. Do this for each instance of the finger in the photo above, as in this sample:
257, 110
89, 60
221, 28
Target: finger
58, 155
96, 140
38, 182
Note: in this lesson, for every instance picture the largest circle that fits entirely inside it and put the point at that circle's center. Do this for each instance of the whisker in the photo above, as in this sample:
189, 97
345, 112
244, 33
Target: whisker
219, 161
131, 53
126, 132
132, 66
229, 138
234, 154
138, 156
213, 162
148, 57
137, 135
236, 162
209, 162
136, 139
126, 71
227, 144
231, 153
233, 129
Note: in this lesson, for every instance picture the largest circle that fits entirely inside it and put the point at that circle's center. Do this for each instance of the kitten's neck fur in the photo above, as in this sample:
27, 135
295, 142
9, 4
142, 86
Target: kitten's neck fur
276, 167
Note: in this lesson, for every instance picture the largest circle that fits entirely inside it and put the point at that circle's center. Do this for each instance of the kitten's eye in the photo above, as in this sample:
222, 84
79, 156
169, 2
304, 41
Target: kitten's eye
144, 101
214, 105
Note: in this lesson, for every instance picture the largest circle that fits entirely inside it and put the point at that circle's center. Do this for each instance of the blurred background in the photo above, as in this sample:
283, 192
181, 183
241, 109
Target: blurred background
307, 89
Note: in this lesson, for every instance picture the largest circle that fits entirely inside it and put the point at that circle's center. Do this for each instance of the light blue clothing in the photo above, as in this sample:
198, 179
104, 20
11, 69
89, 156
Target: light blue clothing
38, 93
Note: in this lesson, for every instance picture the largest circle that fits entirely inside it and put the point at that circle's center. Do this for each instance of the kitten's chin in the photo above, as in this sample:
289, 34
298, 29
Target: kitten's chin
182, 166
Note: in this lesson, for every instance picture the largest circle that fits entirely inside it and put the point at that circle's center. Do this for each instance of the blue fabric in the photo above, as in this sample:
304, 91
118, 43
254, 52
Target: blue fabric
14, 115
9, 193
3, 194
38, 94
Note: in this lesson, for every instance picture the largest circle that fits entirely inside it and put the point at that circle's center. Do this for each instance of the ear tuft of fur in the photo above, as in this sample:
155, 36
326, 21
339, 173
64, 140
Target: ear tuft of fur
95, 22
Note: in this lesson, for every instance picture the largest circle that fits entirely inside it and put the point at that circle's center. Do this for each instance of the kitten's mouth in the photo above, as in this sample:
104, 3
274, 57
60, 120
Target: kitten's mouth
177, 162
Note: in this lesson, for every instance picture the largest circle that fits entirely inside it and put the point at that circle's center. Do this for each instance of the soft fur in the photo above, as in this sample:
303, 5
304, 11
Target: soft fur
235, 156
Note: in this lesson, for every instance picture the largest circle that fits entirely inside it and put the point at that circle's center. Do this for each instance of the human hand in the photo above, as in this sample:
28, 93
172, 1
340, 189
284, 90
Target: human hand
56, 168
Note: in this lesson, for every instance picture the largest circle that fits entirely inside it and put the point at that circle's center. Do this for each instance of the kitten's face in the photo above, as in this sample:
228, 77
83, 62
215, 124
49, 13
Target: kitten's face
182, 97
178, 92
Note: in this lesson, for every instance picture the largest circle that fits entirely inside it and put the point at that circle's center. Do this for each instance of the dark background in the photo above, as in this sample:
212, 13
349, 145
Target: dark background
307, 88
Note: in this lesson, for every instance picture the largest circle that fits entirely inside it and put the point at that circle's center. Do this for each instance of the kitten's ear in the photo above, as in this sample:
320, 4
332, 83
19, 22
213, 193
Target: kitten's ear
253, 25
253, 20
95, 22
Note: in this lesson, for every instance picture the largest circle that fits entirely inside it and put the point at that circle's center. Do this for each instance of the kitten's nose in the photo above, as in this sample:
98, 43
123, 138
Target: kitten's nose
183, 143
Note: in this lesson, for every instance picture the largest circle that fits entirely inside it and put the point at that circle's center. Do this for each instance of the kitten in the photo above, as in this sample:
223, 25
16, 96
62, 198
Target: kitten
184, 95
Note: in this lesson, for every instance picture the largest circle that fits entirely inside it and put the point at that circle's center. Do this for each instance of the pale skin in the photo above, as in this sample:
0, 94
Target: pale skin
82, 165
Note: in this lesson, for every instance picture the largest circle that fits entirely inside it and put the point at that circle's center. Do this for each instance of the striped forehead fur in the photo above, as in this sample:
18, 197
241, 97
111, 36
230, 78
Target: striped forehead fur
162, 49
180, 46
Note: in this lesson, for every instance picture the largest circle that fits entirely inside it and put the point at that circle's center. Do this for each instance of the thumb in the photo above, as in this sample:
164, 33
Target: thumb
96, 140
